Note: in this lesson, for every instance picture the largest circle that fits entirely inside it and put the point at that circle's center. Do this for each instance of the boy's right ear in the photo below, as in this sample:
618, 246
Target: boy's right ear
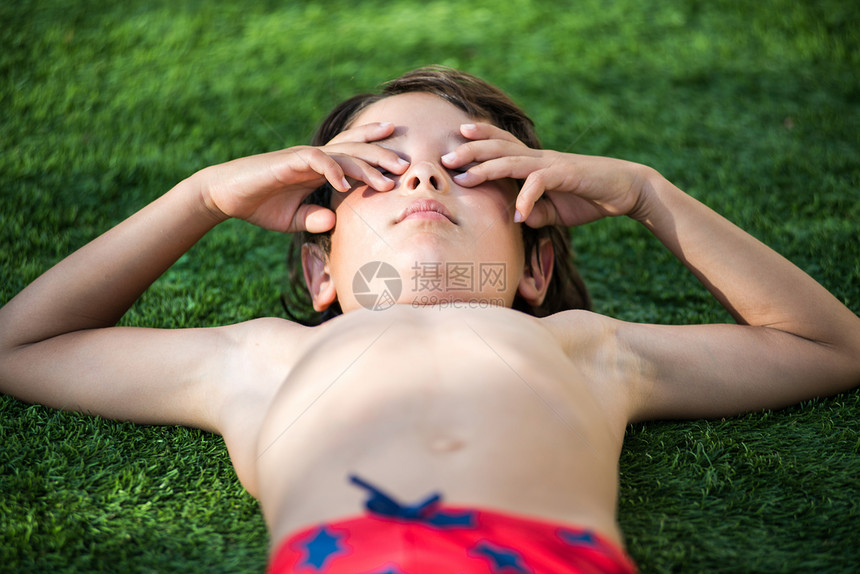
317, 277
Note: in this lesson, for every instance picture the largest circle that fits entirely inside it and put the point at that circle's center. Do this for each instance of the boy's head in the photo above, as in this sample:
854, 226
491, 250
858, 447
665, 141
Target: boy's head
537, 262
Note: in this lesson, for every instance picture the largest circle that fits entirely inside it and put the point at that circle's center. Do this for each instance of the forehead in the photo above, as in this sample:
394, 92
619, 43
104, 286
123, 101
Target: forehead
416, 114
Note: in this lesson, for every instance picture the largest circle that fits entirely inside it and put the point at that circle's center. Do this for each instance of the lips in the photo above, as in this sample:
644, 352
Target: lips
425, 209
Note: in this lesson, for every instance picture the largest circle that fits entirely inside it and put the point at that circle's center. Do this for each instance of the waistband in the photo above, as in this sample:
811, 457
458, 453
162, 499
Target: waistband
429, 537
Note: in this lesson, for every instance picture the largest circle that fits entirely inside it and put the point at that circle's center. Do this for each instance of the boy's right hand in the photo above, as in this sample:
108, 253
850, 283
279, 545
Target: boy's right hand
268, 189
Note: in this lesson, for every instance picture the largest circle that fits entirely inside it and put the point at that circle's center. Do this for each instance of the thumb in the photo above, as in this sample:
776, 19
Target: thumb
313, 219
543, 214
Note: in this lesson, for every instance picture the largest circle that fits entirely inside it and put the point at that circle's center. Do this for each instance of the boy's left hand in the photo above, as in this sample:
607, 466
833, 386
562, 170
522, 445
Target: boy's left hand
560, 188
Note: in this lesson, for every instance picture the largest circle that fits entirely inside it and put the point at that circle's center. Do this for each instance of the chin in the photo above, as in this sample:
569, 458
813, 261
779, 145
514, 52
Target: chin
424, 248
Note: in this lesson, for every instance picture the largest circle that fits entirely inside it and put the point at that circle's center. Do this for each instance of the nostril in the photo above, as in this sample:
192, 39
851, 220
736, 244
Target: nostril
424, 174
415, 182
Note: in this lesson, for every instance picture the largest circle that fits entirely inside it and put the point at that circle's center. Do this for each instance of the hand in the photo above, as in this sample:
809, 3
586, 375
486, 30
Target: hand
559, 188
268, 189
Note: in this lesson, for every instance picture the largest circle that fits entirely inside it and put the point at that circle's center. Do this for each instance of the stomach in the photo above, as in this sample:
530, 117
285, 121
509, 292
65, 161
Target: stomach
483, 407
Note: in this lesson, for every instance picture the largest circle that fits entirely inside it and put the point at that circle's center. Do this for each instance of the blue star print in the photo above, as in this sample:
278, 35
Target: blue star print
321, 547
583, 537
449, 519
501, 559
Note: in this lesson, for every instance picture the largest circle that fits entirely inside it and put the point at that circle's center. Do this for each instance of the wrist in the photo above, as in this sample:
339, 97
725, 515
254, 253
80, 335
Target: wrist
197, 190
649, 204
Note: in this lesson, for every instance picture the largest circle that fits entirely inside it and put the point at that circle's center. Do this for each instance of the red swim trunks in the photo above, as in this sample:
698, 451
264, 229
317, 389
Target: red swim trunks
435, 539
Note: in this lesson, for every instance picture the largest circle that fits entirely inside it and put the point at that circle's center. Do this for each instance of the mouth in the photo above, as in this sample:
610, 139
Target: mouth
426, 209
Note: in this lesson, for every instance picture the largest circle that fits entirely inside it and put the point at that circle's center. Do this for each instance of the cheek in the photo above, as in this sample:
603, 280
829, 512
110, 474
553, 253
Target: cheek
357, 221
361, 199
496, 200
499, 237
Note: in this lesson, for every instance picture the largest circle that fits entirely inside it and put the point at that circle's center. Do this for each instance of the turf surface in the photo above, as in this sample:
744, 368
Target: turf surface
754, 108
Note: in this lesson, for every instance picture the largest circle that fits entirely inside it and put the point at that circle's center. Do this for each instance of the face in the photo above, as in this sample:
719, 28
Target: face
446, 242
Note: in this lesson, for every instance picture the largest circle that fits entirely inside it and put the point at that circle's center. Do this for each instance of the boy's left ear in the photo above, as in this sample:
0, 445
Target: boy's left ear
537, 273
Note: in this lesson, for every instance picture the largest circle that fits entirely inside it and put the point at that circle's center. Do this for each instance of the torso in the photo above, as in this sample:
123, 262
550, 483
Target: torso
483, 406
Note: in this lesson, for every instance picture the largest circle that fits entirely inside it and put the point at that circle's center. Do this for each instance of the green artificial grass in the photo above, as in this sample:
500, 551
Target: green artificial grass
752, 107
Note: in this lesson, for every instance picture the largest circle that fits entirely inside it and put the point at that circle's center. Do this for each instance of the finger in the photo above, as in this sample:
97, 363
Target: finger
478, 151
484, 131
364, 133
543, 213
380, 157
533, 189
510, 167
328, 167
484, 149
311, 162
335, 168
359, 170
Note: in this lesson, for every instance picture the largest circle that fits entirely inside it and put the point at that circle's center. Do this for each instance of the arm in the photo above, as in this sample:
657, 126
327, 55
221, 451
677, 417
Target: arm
794, 340
58, 345
55, 344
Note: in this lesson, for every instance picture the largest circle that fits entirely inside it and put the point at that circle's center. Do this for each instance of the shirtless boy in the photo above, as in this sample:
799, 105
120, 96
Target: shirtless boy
516, 420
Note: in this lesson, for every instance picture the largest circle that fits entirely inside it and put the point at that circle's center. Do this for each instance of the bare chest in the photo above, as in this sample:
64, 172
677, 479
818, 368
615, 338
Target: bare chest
477, 408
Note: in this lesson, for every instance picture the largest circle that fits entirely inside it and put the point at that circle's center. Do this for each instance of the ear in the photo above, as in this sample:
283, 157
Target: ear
317, 278
537, 273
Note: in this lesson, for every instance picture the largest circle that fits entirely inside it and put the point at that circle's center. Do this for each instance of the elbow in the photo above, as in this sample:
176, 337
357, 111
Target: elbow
12, 362
848, 359
852, 353
10, 333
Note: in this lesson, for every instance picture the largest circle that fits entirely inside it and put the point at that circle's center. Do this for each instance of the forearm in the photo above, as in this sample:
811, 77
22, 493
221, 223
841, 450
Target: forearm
97, 284
757, 285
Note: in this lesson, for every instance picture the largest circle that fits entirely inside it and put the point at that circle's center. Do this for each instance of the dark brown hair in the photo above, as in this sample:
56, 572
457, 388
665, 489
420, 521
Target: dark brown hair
481, 101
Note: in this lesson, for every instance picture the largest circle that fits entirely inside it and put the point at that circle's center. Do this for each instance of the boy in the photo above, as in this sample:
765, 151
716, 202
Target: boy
517, 420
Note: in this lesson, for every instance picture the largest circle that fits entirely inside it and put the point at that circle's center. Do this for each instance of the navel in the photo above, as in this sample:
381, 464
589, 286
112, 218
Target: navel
446, 444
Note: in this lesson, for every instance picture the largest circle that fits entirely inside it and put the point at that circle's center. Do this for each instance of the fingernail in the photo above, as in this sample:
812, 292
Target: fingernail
385, 124
460, 177
449, 157
402, 161
345, 184
468, 126
518, 217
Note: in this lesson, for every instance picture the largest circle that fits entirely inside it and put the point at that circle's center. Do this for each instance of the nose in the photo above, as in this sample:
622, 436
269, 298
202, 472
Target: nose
426, 175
